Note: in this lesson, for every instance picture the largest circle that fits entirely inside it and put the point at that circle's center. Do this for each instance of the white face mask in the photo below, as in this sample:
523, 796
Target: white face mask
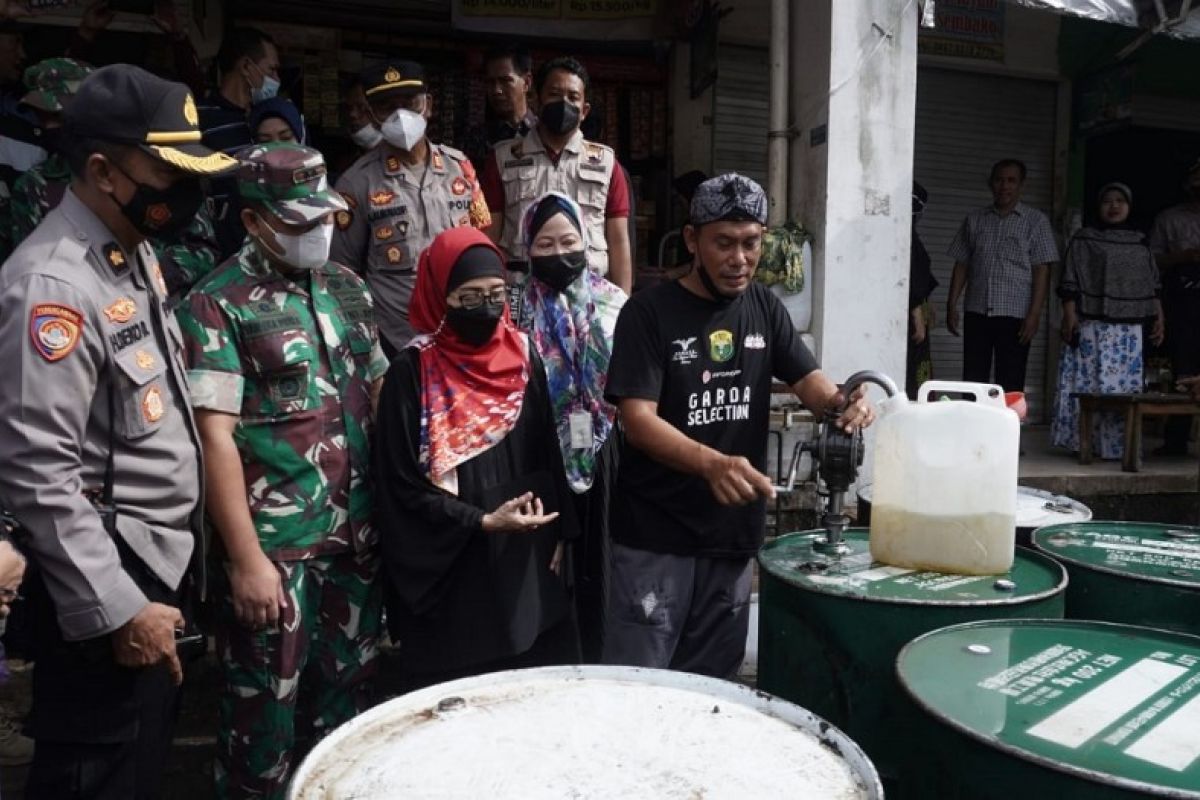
404, 129
269, 88
367, 137
308, 250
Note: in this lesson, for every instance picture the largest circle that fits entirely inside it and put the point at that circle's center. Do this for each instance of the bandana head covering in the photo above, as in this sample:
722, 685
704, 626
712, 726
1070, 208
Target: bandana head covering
471, 397
572, 331
729, 198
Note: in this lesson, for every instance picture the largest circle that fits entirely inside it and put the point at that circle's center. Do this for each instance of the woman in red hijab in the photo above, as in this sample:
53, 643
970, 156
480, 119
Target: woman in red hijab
471, 496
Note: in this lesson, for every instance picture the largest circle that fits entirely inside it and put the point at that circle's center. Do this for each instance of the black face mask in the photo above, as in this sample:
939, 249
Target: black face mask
717, 296
560, 117
162, 212
475, 325
558, 271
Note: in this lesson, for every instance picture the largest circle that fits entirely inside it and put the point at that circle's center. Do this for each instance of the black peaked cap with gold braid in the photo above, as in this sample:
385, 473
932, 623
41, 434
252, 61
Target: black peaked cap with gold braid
126, 104
406, 77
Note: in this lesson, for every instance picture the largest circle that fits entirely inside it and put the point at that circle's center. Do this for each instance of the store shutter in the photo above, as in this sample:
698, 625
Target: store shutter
740, 119
965, 122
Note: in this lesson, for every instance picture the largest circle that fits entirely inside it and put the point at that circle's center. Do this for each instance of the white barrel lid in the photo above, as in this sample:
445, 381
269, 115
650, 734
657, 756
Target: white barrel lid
586, 732
1035, 507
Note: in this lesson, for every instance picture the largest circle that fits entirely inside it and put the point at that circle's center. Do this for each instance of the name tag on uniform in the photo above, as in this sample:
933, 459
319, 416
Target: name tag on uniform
519, 162
581, 430
593, 167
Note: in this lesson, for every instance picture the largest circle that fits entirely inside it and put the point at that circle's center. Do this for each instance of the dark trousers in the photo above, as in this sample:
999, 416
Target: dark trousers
1181, 307
685, 613
987, 339
103, 731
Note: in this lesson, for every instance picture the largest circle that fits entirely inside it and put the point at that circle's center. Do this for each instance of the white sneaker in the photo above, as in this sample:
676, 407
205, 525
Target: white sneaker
16, 749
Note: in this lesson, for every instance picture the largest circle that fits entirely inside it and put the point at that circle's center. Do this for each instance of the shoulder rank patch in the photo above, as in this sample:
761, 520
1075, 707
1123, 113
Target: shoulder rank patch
120, 312
54, 329
350, 199
152, 404
594, 151
392, 164
382, 197
343, 219
439, 162
459, 185
115, 257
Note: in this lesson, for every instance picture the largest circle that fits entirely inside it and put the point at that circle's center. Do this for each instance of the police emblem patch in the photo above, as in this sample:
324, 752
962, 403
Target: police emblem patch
720, 345
392, 75
384, 232
394, 255
145, 360
392, 164
54, 329
382, 197
123, 310
152, 404
343, 219
158, 215
460, 186
114, 257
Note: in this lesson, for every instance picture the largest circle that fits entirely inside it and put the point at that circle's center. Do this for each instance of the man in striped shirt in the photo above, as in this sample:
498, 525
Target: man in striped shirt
249, 66
1002, 256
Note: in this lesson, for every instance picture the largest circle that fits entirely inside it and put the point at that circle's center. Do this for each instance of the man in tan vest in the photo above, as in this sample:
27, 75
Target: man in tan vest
554, 156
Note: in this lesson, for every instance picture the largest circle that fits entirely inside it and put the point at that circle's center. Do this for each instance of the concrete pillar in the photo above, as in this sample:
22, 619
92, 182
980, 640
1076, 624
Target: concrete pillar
853, 83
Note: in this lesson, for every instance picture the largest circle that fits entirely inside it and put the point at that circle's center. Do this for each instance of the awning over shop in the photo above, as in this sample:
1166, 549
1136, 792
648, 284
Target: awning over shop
1174, 17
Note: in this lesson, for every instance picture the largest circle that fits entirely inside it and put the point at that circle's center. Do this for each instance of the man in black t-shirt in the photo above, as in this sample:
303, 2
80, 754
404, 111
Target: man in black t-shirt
691, 373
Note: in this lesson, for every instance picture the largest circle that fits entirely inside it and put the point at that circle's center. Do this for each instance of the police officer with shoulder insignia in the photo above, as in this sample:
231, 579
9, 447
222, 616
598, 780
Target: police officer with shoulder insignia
102, 453
401, 195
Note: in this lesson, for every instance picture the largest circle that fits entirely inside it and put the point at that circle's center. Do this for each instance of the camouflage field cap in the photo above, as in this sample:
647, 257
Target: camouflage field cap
53, 81
729, 198
289, 180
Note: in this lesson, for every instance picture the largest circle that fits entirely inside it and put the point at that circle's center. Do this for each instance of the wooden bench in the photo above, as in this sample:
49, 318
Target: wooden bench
1134, 407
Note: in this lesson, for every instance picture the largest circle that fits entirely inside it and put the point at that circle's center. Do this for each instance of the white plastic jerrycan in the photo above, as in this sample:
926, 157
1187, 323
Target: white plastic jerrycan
946, 481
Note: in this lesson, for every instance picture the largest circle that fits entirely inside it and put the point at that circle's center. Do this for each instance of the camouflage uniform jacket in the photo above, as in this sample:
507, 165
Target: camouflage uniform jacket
395, 211
184, 259
295, 360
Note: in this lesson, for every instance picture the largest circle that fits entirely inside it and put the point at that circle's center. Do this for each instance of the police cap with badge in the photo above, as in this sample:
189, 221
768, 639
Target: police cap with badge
400, 77
125, 104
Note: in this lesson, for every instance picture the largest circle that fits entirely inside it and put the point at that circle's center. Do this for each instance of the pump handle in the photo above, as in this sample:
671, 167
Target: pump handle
988, 394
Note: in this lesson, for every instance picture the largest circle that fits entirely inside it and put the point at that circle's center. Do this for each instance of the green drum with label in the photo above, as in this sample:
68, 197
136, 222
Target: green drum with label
1137, 573
830, 627
1054, 709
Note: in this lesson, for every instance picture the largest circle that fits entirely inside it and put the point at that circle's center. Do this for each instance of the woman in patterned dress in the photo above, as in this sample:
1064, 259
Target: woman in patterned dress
1109, 289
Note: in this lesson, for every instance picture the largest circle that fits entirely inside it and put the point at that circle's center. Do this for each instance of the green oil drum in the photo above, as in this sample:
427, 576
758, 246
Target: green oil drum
1062, 709
1138, 573
830, 627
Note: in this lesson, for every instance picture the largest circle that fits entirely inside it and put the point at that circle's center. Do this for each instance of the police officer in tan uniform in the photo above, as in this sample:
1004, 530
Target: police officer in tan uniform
101, 454
554, 157
401, 195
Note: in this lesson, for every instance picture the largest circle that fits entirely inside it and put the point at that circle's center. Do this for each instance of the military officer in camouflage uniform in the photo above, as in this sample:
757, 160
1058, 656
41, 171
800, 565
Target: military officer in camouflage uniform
101, 454
401, 195
285, 364
184, 257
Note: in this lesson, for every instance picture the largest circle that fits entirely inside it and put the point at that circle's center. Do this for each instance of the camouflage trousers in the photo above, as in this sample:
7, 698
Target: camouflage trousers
302, 679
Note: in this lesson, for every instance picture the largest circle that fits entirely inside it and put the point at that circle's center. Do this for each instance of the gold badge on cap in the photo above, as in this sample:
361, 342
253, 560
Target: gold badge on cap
392, 75
189, 110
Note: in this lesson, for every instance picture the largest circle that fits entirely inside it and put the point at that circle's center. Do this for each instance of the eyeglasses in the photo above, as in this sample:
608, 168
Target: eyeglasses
474, 298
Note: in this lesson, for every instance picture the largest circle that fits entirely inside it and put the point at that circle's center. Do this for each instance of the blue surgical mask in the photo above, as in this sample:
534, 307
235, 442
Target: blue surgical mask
269, 88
